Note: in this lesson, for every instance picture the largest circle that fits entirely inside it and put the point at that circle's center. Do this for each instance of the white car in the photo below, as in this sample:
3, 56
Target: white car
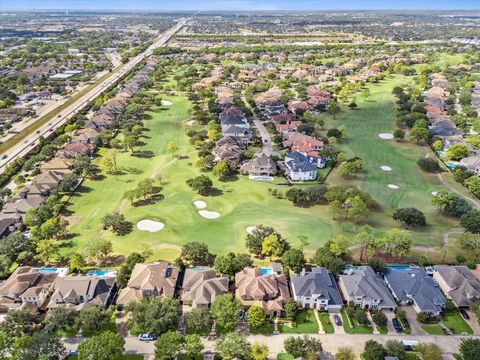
147, 337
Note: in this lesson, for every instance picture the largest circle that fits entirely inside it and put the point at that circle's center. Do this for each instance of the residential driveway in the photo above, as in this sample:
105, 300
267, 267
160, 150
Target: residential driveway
412, 320
267, 146
338, 329
390, 315
372, 323
473, 322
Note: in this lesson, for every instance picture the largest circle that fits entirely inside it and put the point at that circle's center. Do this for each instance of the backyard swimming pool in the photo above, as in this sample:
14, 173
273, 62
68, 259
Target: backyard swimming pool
102, 273
399, 267
50, 270
266, 271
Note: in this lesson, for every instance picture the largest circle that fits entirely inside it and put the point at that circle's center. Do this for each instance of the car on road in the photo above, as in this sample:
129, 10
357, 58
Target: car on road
337, 319
37, 132
147, 337
59, 116
397, 325
464, 314
25, 141
4, 157
446, 331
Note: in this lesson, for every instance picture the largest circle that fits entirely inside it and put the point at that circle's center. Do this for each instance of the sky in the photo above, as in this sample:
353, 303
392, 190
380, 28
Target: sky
240, 5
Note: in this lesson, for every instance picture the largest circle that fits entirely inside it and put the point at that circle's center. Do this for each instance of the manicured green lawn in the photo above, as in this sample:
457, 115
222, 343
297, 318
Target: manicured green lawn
305, 323
455, 322
284, 356
355, 329
326, 323
433, 329
382, 330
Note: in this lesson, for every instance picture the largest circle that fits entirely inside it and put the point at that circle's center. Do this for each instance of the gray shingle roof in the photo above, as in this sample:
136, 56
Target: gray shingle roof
415, 284
297, 162
318, 282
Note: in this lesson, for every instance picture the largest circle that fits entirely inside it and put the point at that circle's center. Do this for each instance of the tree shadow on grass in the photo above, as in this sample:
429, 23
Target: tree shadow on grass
134, 171
150, 201
143, 154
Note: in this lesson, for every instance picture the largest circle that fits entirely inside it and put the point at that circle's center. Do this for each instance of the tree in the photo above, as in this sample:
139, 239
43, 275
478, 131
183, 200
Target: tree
379, 318
172, 147
201, 184
291, 308
410, 216
68, 183
231, 263
430, 351
473, 184
335, 209
429, 165
6, 343
272, 246
19, 323
471, 221
193, 346
47, 251
257, 236
419, 134
195, 253
339, 244
351, 167
358, 208
155, 315
60, 318
305, 346
395, 242
105, 346
107, 165
118, 223
98, 250
169, 345
374, 351
469, 348
77, 262
42, 345
222, 170
399, 134
396, 348
294, 259
199, 319
233, 345
130, 142
377, 264
345, 353
457, 152
93, 319
255, 317
471, 243
333, 108
123, 275
259, 352
225, 310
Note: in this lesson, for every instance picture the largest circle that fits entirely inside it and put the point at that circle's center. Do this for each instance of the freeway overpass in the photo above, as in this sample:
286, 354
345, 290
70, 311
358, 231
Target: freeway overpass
23, 142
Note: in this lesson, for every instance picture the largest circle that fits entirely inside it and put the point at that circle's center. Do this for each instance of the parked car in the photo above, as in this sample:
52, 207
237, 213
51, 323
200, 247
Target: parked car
446, 331
464, 314
337, 319
397, 325
147, 337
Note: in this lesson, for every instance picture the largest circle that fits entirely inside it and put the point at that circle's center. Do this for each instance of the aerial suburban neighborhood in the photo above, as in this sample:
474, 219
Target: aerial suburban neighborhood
240, 180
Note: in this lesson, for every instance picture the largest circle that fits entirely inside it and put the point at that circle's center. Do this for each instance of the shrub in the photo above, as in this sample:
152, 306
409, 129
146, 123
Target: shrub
429, 165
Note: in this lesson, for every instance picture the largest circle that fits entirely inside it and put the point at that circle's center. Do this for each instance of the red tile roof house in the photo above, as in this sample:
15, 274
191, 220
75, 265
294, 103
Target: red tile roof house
295, 105
304, 143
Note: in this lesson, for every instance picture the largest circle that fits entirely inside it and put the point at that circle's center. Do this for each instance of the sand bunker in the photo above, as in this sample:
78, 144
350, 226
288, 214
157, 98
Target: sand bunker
386, 168
199, 204
392, 186
166, 103
251, 229
209, 214
150, 225
386, 136
190, 122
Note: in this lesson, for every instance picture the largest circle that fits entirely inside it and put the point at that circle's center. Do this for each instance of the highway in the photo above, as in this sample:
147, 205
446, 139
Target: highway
23, 147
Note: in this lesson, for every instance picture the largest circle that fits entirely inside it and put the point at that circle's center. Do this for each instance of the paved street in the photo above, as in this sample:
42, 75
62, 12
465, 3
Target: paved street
267, 146
24, 146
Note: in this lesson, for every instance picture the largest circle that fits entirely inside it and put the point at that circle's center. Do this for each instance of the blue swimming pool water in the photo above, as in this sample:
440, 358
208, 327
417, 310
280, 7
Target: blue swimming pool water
266, 271
349, 267
399, 267
451, 165
47, 270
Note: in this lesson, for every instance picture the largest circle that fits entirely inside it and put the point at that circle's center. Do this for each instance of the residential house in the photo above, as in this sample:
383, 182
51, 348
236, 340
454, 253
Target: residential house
316, 289
304, 143
269, 291
366, 289
81, 291
228, 149
301, 167
26, 285
262, 165
58, 165
414, 286
472, 163
458, 284
202, 286
76, 148
150, 279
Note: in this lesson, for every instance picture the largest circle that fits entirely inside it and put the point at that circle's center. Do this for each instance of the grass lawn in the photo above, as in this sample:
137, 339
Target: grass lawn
265, 329
382, 330
376, 115
326, 323
433, 329
455, 322
305, 323
70, 332
284, 356
354, 328
202, 332
111, 327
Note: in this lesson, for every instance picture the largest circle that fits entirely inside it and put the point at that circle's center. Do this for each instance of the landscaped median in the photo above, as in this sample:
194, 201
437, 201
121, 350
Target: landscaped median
326, 323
